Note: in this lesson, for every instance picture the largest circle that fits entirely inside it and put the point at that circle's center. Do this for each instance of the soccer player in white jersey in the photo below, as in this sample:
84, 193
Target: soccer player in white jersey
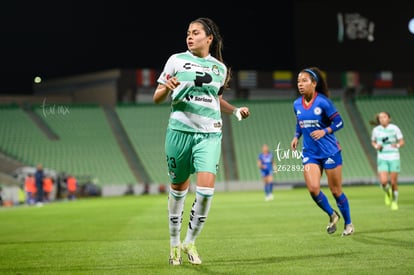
317, 120
195, 81
387, 139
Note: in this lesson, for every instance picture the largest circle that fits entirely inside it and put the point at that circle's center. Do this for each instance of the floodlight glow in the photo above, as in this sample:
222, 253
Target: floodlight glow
411, 26
37, 79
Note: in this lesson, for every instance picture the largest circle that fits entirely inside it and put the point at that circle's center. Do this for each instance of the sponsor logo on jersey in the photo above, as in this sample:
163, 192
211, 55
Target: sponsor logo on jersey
217, 124
202, 98
309, 123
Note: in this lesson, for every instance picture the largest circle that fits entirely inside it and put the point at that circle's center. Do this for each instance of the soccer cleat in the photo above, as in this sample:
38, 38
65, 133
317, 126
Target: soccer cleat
388, 196
192, 253
348, 230
333, 220
394, 205
175, 255
269, 197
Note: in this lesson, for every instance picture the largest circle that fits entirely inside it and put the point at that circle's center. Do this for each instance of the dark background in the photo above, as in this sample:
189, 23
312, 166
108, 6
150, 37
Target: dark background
64, 37
316, 35
58, 38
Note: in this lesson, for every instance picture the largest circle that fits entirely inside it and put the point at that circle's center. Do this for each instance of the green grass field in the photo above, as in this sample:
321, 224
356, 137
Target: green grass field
243, 235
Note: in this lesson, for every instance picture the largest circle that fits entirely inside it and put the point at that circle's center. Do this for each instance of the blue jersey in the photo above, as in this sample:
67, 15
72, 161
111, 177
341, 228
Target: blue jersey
267, 161
316, 116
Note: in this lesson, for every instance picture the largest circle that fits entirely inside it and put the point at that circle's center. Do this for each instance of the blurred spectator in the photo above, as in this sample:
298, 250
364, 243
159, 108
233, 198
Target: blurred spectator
71, 187
47, 187
162, 189
30, 189
146, 190
129, 190
60, 183
21, 195
39, 175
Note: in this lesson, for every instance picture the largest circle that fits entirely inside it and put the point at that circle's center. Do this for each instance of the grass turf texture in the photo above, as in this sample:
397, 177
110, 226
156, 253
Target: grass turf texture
243, 235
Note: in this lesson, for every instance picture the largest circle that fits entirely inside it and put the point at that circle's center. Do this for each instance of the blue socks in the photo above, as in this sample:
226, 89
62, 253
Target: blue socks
341, 202
343, 205
268, 188
323, 203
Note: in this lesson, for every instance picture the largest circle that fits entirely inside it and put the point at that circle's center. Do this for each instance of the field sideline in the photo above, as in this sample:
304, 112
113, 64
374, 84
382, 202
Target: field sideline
243, 235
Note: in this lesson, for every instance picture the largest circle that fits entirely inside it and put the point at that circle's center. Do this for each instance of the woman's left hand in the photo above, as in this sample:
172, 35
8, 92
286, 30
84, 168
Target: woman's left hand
244, 111
318, 134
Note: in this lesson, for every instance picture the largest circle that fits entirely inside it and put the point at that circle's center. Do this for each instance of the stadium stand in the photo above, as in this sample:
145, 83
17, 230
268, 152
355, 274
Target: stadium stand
85, 144
83, 139
145, 126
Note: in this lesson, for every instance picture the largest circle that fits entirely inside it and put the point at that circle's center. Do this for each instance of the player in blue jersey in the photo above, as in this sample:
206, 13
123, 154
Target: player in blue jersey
195, 81
317, 120
265, 162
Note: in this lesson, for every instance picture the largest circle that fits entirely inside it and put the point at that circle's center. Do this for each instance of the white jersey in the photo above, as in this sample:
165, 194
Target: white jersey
386, 137
195, 105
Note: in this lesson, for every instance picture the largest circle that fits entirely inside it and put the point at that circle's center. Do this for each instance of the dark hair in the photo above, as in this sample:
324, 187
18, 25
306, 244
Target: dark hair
216, 47
388, 114
321, 83
376, 120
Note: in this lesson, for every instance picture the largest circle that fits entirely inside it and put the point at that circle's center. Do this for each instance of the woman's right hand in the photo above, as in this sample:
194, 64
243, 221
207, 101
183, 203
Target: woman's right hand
172, 83
162, 90
294, 144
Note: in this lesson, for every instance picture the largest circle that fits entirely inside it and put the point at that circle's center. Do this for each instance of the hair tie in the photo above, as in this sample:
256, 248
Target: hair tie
312, 73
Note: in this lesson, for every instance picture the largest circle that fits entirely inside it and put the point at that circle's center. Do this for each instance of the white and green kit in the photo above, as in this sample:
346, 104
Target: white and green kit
193, 140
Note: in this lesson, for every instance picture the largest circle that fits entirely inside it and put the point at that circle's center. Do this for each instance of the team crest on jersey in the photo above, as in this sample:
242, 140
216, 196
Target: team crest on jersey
317, 111
215, 70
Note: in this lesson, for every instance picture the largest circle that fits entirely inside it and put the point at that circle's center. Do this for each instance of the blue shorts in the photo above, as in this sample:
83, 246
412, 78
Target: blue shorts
330, 162
266, 172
